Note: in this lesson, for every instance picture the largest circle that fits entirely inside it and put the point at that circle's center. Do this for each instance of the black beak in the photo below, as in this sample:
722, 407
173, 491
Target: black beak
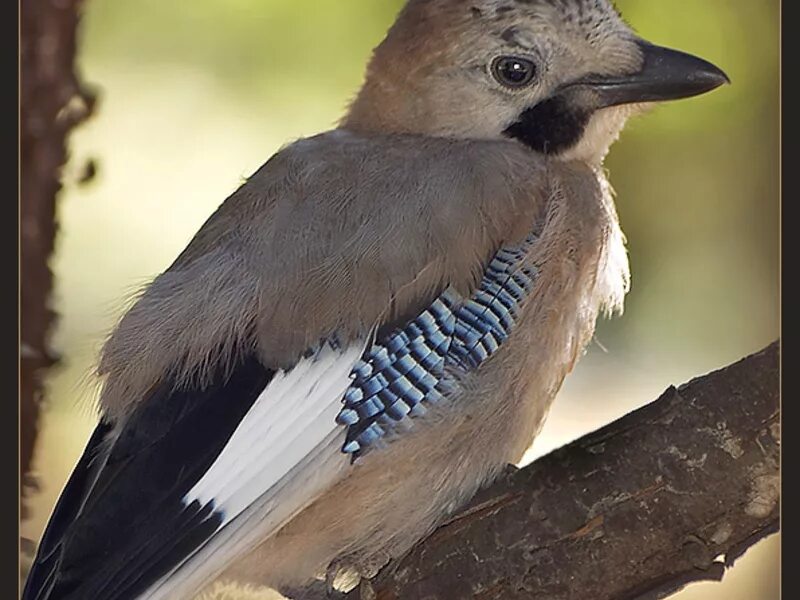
665, 75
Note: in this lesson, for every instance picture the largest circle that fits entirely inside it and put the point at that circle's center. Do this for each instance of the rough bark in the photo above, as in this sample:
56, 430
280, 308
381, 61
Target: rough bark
671, 493
53, 101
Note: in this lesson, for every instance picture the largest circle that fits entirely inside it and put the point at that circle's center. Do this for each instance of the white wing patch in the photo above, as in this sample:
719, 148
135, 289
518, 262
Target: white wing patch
294, 414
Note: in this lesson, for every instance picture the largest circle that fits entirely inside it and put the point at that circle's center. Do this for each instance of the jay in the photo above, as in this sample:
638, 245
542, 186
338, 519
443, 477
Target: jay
376, 322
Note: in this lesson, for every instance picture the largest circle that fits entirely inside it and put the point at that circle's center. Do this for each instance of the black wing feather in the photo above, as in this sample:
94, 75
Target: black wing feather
120, 523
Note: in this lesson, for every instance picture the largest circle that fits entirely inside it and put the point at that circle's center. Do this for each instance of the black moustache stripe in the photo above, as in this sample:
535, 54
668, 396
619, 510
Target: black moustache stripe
550, 127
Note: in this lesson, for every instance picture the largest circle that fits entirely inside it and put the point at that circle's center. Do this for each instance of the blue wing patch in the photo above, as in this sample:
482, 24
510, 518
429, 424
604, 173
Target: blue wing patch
405, 370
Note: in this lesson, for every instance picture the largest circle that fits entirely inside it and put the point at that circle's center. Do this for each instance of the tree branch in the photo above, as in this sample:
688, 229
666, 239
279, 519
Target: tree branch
637, 509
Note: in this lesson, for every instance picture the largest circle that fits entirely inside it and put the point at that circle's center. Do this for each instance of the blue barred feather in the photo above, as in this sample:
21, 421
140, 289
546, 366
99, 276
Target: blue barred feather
406, 369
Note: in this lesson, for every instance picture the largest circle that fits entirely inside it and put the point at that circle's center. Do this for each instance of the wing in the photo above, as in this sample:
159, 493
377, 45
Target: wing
412, 366
122, 511
218, 453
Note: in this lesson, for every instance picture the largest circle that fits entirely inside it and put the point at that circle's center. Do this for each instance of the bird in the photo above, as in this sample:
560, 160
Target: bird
376, 322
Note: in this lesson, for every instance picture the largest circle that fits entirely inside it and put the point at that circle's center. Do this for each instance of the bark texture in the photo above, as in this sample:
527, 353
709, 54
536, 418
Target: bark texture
671, 493
53, 101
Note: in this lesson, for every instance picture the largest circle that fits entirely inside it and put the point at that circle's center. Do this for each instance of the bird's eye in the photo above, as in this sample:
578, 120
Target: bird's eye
513, 71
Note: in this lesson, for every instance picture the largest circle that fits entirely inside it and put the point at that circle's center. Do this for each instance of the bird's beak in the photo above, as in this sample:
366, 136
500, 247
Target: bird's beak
666, 74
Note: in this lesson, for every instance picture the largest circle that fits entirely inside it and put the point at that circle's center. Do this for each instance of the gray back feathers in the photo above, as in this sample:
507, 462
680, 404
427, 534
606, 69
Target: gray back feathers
335, 234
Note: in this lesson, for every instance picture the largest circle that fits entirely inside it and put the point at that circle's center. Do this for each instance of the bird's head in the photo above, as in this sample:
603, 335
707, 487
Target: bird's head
561, 76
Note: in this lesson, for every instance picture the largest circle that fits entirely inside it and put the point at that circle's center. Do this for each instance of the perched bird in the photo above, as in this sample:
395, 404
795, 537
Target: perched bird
374, 324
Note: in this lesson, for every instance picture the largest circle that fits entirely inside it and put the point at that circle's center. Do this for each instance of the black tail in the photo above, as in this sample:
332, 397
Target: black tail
121, 522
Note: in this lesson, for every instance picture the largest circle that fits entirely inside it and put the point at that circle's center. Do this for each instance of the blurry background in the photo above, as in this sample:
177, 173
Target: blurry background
195, 96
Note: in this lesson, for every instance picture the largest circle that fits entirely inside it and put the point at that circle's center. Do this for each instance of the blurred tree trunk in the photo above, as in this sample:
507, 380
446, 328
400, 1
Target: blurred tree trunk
53, 101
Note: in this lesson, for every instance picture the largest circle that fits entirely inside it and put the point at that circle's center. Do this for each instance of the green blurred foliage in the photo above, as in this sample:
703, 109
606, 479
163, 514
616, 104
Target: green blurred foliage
195, 96
697, 185
273, 51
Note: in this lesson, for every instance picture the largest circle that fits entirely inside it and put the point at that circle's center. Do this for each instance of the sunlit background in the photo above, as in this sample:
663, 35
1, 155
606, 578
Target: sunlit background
195, 96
